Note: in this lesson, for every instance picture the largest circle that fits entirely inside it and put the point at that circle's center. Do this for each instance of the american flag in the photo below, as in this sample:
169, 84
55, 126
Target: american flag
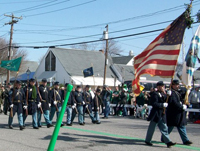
160, 57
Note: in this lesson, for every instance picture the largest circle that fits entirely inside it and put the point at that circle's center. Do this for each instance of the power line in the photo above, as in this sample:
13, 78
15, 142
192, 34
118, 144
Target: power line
32, 7
78, 43
93, 41
118, 21
12, 2
61, 9
40, 6
94, 35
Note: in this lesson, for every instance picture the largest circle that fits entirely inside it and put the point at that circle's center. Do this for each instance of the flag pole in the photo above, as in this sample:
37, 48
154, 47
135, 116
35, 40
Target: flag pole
93, 76
188, 87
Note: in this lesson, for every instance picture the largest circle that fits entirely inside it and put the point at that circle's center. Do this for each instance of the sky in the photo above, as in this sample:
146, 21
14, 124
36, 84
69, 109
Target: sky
55, 22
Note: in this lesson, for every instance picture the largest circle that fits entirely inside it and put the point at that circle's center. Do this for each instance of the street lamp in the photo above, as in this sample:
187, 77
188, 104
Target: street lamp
28, 72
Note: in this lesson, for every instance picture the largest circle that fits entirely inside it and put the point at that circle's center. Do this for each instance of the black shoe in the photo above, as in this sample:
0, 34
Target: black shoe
81, 124
10, 127
24, 127
49, 125
148, 143
21, 128
62, 125
84, 123
105, 117
35, 127
39, 125
94, 122
187, 143
69, 124
170, 144
98, 122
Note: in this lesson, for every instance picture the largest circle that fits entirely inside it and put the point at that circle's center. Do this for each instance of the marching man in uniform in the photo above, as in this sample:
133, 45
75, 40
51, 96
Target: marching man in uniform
78, 96
56, 101
70, 106
176, 114
17, 103
97, 101
33, 102
157, 117
87, 96
44, 92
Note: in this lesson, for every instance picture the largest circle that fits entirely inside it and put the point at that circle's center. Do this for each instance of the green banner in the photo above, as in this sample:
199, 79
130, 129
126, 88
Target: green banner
12, 65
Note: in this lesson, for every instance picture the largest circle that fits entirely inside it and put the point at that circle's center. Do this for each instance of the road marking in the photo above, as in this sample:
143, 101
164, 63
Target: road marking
127, 137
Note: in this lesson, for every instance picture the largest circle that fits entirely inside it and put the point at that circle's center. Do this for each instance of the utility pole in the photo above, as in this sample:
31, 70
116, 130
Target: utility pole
106, 54
12, 22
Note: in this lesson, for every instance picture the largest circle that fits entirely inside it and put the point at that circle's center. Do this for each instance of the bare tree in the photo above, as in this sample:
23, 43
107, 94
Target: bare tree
16, 52
90, 47
113, 48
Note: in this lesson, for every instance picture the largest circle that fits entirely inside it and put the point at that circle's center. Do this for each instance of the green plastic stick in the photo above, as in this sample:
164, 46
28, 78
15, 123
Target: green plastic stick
59, 120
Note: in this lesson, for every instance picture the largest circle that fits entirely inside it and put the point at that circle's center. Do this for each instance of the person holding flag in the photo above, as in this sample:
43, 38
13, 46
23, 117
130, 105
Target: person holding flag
160, 59
156, 117
176, 114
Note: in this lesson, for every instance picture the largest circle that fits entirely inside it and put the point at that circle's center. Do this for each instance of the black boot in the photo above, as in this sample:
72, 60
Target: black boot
10, 127
21, 128
49, 125
187, 143
170, 144
148, 143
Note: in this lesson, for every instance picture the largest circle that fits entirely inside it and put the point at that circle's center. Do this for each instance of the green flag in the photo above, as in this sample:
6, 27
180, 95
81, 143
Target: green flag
12, 65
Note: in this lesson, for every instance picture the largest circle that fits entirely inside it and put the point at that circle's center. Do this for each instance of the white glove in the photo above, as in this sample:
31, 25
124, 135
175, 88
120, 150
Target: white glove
49, 104
75, 104
39, 105
103, 108
55, 102
184, 107
97, 108
165, 104
73, 107
93, 108
86, 106
169, 92
25, 107
83, 103
11, 106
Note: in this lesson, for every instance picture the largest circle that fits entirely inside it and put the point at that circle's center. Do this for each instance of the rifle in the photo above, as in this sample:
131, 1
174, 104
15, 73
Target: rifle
84, 93
39, 96
27, 97
55, 100
11, 109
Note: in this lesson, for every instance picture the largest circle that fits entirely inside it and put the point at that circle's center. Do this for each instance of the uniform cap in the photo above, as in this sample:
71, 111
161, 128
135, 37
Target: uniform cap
87, 86
44, 80
175, 82
32, 80
160, 83
78, 86
98, 91
56, 83
66, 84
18, 82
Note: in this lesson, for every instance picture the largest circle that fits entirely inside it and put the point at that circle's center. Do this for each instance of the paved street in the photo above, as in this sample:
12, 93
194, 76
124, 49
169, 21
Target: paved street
114, 134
